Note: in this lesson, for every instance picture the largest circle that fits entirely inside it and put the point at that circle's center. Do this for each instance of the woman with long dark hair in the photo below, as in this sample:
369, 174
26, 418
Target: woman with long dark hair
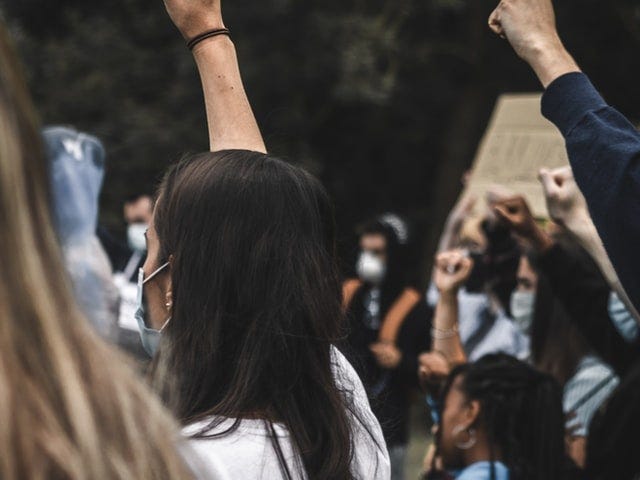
559, 349
560, 293
242, 297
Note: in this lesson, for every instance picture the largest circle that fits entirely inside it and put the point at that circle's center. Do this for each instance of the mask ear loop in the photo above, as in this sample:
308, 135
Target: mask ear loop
155, 272
165, 324
142, 281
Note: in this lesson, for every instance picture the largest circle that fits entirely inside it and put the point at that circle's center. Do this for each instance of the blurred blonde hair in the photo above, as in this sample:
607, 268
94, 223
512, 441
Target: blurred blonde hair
70, 406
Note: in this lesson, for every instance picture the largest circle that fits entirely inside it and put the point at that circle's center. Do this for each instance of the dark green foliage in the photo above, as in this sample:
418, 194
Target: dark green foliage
384, 100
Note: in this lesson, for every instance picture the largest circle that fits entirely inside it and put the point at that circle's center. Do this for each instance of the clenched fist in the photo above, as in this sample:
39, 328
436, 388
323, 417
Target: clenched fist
193, 17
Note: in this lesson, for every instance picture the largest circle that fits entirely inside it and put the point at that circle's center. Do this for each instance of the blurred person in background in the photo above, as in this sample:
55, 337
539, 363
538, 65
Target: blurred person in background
500, 420
559, 348
584, 298
127, 259
483, 301
557, 345
388, 328
76, 166
71, 408
611, 449
576, 281
239, 297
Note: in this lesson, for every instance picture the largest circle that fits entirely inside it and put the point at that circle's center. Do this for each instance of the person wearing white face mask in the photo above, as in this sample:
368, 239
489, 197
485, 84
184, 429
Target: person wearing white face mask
389, 323
554, 279
523, 299
126, 257
126, 261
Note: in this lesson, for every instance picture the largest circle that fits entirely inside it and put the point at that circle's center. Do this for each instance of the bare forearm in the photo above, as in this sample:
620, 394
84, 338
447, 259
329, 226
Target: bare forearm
449, 237
587, 235
446, 338
230, 119
550, 61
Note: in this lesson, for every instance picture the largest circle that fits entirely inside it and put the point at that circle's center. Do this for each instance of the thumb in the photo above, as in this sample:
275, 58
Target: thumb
549, 184
494, 23
502, 212
467, 265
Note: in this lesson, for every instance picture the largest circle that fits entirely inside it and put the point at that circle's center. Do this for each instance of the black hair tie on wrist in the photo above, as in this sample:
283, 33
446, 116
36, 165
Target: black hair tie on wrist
208, 34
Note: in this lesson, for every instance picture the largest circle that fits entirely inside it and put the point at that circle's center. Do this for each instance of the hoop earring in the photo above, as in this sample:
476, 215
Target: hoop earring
457, 430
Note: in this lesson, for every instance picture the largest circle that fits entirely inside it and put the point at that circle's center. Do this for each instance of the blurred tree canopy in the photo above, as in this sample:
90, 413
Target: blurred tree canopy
385, 100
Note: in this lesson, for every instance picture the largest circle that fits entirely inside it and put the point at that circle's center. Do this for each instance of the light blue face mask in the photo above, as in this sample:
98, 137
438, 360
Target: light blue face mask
523, 309
150, 337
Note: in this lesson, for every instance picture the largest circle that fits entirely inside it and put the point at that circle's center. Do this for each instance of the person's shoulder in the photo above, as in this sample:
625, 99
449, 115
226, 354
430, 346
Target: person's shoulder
229, 446
204, 462
593, 369
345, 375
592, 376
482, 471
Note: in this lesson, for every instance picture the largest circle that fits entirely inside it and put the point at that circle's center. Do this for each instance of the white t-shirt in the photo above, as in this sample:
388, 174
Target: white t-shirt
248, 453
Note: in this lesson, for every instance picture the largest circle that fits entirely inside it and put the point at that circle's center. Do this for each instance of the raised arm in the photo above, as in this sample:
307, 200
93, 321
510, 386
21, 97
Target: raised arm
581, 289
603, 146
530, 27
450, 237
451, 272
230, 119
568, 208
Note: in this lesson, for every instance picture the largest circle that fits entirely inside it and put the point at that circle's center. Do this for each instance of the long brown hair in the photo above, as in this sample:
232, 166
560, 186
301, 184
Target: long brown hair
71, 408
256, 304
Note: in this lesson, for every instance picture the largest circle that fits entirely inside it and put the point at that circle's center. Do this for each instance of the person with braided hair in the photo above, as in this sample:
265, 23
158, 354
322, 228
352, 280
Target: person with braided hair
501, 420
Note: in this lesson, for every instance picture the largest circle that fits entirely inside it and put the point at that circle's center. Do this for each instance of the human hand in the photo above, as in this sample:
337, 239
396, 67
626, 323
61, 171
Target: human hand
566, 204
433, 367
453, 269
193, 17
516, 214
387, 355
530, 27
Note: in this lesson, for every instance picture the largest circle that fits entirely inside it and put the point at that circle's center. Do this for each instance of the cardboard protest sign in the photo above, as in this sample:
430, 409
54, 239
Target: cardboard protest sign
518, 142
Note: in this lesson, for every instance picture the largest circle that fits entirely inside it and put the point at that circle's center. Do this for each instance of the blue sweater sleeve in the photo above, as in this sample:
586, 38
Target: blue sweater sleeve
604, 151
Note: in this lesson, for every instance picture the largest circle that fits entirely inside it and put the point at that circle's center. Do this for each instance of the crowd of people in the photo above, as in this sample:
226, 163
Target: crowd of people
260, 361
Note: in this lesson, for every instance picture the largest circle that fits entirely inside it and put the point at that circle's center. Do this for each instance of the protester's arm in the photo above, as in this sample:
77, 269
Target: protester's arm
452, 270
568, 208
451, 233
582, 290
229, 115
603, 146
530, 27
585, 295
413, 339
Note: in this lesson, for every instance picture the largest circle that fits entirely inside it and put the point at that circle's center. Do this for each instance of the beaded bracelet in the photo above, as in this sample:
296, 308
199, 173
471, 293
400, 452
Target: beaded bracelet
440, 334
